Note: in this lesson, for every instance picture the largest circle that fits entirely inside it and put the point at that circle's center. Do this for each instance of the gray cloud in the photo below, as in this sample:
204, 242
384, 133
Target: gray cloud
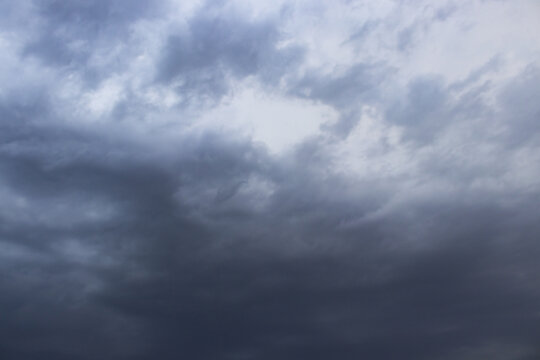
127, 234
346, 92
216, 47
70, 32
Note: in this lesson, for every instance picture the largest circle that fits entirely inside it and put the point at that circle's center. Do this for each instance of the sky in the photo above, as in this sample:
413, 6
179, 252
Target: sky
238, 180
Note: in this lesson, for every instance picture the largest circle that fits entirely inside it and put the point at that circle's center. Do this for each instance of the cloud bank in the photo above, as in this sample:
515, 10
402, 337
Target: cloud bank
293, 180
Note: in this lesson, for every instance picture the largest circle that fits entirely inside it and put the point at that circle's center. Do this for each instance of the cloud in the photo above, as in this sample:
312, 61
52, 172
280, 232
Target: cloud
151, 208
72, 32
218, 46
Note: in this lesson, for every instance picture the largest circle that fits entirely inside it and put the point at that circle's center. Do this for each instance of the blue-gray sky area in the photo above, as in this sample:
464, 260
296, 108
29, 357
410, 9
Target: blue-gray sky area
261, 180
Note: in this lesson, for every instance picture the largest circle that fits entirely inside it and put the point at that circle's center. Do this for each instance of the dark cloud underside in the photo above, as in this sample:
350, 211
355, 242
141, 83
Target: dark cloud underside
138, 220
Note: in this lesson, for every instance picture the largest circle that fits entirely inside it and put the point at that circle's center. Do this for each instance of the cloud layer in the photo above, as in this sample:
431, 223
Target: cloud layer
284, 180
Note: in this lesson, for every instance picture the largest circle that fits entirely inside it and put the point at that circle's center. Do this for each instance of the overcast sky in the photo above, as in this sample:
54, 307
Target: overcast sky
238, 180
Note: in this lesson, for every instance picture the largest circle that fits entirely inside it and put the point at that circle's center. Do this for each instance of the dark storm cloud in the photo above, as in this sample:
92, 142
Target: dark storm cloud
68, 32
179, 287
218, 46
345, 299
117, 245
77, 35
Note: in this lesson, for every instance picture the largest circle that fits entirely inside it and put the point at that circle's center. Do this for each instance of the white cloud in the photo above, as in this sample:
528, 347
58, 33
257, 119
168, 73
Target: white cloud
276, 121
